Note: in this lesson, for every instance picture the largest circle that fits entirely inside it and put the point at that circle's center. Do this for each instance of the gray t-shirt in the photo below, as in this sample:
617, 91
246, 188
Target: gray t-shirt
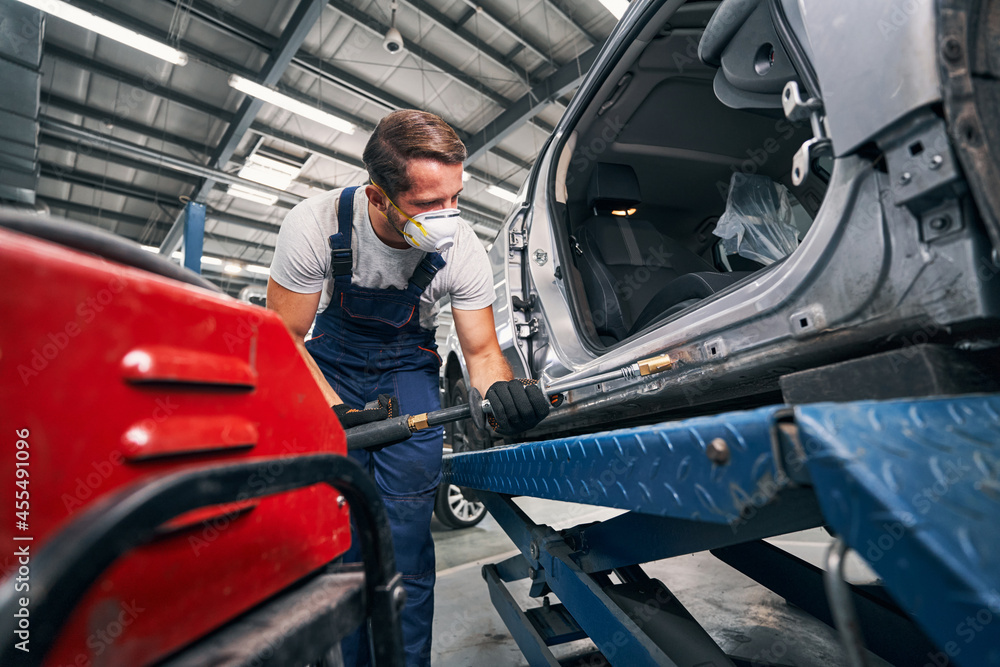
302, 259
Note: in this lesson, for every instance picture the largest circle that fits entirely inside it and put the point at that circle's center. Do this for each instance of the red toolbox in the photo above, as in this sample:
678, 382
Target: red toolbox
110, 375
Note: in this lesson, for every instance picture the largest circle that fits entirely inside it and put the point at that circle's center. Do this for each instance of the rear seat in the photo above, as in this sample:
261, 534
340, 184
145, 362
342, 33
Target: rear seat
629, 268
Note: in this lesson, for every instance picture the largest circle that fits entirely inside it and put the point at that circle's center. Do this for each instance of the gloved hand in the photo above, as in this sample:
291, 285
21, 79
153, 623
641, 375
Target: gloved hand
385, 407
517, 405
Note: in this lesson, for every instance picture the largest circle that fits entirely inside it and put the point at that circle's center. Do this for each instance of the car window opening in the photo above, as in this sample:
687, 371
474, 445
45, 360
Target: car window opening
672, 196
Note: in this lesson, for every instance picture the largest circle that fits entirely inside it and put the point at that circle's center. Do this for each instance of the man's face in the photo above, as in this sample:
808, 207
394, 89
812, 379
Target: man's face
433, 186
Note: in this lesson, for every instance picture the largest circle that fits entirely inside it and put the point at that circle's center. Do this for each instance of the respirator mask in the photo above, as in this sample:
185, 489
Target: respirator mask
433, 231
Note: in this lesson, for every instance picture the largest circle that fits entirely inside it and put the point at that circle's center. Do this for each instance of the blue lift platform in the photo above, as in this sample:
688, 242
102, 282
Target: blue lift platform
912, 486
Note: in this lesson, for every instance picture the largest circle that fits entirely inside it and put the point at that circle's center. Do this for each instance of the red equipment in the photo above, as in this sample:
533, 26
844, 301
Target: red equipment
115, 376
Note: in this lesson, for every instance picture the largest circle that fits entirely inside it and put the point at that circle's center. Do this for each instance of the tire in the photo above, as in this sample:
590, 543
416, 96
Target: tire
454, 506
454, 510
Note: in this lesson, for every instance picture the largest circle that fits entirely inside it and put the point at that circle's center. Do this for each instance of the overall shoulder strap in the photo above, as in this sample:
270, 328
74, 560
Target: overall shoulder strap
425, 271
341, 255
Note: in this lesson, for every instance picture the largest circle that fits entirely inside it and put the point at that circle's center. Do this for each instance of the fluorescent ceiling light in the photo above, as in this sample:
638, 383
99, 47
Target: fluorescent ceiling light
211, 261
177, 254
108, 29
149, 248
616, 7
232, 268
286, 102
250, 194
465, 176
497, 191
263, 270
270, 172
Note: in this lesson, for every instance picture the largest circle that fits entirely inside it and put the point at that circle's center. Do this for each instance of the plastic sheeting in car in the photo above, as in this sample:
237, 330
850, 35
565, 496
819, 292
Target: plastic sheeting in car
757, 223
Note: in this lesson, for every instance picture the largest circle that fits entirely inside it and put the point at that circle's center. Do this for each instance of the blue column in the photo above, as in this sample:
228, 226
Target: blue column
194, 235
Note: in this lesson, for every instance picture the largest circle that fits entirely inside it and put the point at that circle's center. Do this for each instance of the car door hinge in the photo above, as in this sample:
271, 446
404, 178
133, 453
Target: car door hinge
521, 304
527, 329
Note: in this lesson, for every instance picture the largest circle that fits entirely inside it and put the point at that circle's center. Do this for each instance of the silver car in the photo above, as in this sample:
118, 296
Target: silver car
796, 200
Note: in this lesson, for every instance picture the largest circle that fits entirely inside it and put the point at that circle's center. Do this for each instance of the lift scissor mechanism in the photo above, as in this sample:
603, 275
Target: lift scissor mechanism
875, 473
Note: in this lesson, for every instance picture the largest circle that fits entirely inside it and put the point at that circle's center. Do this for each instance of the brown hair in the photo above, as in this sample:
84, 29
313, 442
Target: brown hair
403, 136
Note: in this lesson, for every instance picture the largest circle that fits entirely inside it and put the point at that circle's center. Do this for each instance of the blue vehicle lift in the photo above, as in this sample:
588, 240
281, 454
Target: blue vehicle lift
913, 486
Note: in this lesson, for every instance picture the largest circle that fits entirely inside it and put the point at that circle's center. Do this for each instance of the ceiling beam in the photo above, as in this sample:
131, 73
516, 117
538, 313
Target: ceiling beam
565, 78
591, 37
159, 90
328, 72
473, 40
109, 119
478, 10
110, 144
307, 12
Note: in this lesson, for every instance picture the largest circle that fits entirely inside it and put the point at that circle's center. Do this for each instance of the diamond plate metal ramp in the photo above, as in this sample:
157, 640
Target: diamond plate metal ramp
914, 487
662, 469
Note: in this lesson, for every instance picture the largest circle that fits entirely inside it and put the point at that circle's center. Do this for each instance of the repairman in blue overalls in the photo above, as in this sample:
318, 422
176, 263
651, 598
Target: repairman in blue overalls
374, 261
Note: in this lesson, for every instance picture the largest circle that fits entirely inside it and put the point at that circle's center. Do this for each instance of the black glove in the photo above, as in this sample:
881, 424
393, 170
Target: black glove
385, 407
517, 405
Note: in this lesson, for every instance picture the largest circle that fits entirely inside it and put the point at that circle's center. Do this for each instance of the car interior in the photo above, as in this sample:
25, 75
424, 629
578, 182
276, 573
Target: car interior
656, 160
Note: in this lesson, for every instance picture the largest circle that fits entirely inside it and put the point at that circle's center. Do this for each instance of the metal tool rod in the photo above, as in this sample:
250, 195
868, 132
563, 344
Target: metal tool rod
558, 387
841, 605
638, 369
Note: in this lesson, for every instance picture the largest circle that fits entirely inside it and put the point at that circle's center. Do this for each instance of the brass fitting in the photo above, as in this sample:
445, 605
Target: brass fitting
655, 364
417, 422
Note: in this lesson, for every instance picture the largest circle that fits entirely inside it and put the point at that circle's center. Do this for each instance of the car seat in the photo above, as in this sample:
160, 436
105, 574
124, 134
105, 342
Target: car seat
629, 267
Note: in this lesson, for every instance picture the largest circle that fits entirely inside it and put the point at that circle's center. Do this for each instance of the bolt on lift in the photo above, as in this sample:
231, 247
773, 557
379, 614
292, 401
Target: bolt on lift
913, 486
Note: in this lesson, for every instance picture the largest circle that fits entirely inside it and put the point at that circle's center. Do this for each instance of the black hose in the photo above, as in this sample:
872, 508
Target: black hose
379, 434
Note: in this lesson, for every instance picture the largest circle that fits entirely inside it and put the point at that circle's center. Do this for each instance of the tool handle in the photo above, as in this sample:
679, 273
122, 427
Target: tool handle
381, 433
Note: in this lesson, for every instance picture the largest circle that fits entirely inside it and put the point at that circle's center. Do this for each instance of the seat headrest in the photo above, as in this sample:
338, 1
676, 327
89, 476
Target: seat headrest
613, 186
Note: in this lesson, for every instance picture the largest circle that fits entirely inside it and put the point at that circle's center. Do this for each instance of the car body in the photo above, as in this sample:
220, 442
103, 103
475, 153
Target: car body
885, 149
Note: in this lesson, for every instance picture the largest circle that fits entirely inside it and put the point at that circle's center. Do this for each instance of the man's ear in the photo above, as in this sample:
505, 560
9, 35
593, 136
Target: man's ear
376, 197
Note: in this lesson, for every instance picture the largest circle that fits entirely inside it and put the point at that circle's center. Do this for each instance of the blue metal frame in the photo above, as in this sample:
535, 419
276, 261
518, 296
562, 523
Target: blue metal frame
662, 469
913, 486
194, 235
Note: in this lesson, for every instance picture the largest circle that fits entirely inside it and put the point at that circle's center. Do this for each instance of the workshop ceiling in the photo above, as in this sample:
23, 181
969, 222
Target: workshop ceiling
469, 62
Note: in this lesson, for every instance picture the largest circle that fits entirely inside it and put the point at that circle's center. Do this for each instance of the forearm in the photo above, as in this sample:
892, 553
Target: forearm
487, 369
328, 393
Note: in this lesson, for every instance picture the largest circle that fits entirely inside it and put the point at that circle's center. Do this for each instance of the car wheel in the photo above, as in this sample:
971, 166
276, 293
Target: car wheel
454, 506
455, 510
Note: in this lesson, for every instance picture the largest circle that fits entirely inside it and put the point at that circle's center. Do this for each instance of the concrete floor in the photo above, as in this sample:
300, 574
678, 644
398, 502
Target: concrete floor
745, 619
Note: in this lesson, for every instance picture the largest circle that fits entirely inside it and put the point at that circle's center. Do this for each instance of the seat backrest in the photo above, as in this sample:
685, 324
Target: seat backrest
626, 260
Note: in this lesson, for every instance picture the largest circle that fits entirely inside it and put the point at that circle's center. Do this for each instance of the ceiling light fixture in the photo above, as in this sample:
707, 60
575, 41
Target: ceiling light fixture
76, 16
211, 261
267, 171
263, 270
289, 104
250, 194
616, 7
232, 268
502, 193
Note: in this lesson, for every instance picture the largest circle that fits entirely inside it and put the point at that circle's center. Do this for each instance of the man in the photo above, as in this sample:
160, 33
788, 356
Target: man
389, 252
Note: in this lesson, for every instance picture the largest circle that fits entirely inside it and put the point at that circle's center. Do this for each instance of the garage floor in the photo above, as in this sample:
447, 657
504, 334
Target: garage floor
747, 620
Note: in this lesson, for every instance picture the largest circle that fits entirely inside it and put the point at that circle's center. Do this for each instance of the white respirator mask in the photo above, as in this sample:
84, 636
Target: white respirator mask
432, 231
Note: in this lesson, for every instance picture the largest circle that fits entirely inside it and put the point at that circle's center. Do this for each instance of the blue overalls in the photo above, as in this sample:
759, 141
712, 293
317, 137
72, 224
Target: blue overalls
369, 342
